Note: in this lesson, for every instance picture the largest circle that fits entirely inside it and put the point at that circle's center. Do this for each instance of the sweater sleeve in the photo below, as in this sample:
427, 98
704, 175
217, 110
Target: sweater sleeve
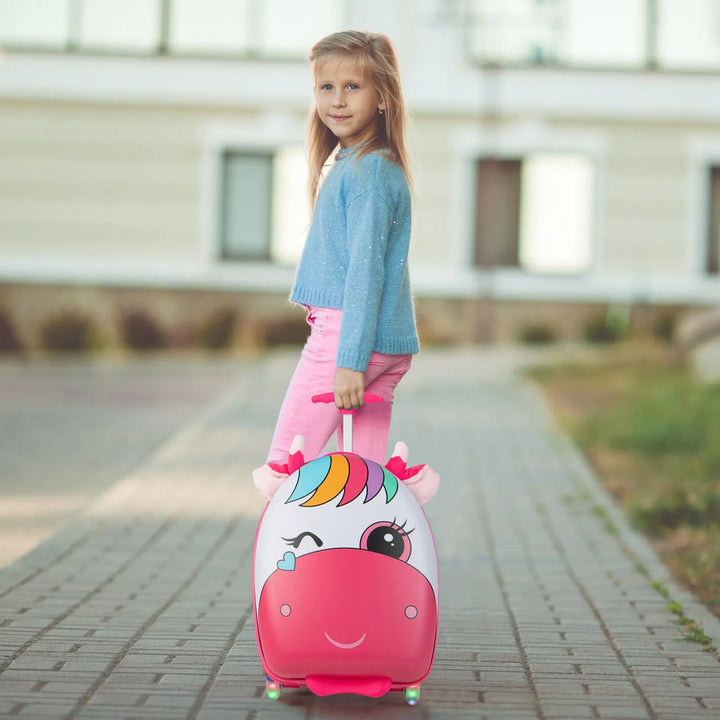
369, 225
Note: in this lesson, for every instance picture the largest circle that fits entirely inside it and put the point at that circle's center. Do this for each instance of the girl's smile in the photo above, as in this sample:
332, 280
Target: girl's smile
346, 101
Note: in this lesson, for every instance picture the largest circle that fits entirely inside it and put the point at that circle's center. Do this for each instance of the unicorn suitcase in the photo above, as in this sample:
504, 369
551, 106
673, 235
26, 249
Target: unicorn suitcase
345, 594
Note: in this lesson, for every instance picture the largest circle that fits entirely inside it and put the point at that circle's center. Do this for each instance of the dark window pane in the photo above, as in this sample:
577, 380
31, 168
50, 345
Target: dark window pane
246, 206
713, 242
497, 212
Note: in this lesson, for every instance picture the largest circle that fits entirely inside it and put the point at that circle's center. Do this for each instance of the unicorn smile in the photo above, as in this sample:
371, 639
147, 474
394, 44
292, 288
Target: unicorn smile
346, 646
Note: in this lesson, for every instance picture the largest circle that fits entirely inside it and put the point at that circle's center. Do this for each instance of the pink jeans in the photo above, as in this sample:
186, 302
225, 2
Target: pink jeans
315, 374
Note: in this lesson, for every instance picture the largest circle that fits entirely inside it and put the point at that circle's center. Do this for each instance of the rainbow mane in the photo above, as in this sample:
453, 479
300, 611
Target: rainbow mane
325, 478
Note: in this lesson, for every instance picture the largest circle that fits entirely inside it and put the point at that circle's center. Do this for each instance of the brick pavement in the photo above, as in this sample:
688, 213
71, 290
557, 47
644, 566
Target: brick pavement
141, 607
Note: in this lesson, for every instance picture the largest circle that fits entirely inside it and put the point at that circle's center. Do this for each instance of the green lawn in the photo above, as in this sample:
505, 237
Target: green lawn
652, 432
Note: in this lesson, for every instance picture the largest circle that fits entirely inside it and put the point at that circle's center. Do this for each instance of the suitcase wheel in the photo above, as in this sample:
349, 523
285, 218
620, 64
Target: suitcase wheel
412, 694
272, 688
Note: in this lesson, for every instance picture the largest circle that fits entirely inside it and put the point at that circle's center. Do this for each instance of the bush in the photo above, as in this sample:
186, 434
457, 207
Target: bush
139, 331
664, 327
665, 416
599, 330
218, 330
537, 335
289, 331
9, 339
67, 331
679, 508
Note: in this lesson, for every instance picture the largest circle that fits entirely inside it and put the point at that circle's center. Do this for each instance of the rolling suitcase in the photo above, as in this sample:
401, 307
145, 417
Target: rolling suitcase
345, 580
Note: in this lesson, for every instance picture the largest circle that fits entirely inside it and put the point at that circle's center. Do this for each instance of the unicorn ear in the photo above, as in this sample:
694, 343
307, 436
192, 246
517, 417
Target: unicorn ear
296, 458
400, 451
423, 484
421, 480
397, 464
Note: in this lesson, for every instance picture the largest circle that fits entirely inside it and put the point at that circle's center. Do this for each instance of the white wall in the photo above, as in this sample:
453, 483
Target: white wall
107, 162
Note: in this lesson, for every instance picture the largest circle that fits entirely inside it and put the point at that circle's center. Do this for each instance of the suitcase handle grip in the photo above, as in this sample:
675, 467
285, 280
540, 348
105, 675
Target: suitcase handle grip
347, 414
330, 397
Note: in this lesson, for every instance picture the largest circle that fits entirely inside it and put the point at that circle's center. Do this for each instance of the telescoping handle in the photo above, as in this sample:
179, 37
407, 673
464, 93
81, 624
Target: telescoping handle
347, 415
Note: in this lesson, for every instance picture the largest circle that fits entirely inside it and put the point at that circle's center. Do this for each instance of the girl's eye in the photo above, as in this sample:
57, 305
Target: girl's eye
295, 542
388, 538
326, 86
353, 86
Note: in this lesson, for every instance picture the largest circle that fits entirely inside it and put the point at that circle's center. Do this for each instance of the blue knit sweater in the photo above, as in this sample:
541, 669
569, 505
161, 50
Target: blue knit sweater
355, 258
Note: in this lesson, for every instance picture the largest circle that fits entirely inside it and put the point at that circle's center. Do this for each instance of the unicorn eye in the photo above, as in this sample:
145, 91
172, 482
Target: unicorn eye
295, 542
388, 538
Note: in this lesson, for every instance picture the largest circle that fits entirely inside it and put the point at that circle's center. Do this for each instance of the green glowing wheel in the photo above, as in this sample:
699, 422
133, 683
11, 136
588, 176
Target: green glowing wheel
272, 689
412, 694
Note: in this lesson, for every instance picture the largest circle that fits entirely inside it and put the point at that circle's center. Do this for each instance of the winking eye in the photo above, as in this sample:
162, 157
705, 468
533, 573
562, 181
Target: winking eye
295, 542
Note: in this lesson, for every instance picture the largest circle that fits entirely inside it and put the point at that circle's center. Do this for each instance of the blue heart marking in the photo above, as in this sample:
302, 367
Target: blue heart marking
287, 562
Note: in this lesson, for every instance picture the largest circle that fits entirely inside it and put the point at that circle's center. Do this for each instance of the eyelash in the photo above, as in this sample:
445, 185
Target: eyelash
401, 528
295, 542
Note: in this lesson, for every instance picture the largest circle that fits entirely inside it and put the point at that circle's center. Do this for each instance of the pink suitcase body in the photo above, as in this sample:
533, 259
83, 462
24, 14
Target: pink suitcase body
345, 580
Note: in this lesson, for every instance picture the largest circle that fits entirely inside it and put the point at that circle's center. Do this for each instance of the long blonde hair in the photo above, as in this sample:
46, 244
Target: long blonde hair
376, 57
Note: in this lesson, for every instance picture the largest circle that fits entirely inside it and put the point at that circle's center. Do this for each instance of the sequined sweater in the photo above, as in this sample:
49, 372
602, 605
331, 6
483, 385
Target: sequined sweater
356, 258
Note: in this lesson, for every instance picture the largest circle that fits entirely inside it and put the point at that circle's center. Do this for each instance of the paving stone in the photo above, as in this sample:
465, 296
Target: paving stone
141, 609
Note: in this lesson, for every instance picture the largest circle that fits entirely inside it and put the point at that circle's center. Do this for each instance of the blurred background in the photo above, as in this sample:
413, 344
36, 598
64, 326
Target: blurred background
566, 156
566, 159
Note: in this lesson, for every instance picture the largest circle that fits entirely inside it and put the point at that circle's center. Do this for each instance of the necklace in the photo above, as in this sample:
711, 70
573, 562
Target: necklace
349, 151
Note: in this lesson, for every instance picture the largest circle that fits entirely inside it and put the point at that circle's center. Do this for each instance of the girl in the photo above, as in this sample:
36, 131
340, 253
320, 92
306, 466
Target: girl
353, 273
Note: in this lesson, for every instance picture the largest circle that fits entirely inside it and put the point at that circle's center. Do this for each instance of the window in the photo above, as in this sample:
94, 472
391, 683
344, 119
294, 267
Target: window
689, 34
240, 28
497, 216
291, 27
712, 265
578, 32
606, 33
669, 34
35, 23
535, 213
262, 208
210, 26
245, 225
120, 25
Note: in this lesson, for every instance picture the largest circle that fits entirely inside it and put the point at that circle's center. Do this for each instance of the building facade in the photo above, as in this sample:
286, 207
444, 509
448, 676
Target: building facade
566, 156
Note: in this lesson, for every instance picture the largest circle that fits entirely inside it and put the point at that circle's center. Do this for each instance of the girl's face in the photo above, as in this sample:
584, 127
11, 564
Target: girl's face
346, 100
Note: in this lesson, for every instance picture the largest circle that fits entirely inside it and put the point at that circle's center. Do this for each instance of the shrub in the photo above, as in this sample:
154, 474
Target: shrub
290, 331
67, 331
537, 335
678, 508
664, 327
666, 416
9, 339
599, 330
139, 331
218, 330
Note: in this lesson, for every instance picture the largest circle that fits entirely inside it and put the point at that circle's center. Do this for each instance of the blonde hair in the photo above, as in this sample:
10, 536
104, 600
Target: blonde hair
376, 58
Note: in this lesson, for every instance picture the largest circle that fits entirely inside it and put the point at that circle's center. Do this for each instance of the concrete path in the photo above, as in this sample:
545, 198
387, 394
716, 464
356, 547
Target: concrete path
71, 428
141, 608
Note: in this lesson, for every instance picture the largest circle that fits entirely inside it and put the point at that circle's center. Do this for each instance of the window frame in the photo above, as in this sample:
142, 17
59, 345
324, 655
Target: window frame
703, 154
267, 135
514, 143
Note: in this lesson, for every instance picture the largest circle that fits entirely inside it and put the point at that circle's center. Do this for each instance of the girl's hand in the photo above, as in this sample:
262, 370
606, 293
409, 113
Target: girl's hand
349, 389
